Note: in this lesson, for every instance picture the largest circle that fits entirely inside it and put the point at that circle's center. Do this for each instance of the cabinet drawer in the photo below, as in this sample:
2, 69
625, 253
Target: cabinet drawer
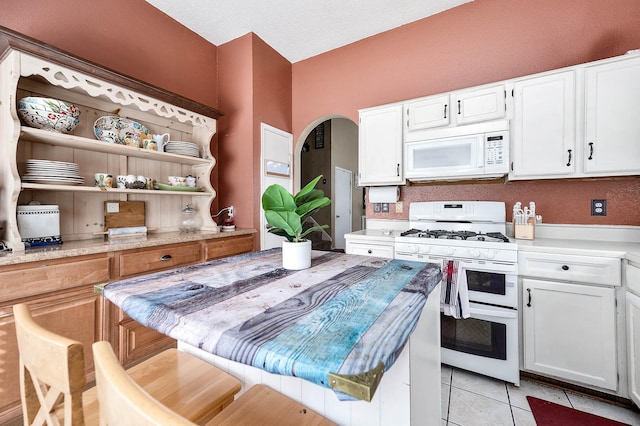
632, 278
150, 260
35, 278
370, 250
223, 247
137, 341
586, 269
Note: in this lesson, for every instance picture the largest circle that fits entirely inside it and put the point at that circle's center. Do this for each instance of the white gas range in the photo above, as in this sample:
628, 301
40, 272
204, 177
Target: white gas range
473, 235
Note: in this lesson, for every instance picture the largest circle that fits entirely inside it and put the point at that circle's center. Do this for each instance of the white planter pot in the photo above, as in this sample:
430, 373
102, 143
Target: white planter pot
296, 256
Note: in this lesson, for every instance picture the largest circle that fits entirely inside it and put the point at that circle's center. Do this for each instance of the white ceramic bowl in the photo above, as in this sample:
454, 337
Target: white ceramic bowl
114, 129
47, 120
49, 105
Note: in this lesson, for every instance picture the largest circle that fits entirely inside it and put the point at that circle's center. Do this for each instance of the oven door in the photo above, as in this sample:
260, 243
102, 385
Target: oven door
485, 343
488, 282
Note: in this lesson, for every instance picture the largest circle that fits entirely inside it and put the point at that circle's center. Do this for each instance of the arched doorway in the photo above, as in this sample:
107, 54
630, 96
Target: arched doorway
329, 146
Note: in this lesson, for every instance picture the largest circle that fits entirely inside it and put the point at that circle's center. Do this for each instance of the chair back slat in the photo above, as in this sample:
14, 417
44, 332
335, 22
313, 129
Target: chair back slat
51, 373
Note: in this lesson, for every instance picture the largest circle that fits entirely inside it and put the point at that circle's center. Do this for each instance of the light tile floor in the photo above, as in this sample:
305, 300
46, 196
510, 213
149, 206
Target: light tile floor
469, 399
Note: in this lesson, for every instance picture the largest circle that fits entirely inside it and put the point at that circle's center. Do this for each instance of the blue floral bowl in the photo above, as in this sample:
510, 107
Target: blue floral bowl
47, 120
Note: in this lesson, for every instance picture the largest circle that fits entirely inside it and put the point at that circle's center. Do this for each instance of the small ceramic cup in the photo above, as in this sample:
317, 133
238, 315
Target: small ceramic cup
149, 144
103, 180
121, 181
191, 181
177, 180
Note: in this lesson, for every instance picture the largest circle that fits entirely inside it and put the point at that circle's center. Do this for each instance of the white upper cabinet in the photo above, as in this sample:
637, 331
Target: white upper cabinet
612, 139
543, 127
433, 111
578, 122
454, 109
472, 106
380, 146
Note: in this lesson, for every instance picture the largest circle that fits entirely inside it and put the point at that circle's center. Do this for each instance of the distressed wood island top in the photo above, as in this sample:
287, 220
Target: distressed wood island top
345, 315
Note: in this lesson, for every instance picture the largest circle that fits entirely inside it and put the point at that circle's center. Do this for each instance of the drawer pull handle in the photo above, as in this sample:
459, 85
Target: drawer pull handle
165, 257
565, 267
369, 251
529, 302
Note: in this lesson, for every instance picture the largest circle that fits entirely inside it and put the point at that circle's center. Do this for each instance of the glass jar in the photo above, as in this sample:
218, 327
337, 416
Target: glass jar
190, 221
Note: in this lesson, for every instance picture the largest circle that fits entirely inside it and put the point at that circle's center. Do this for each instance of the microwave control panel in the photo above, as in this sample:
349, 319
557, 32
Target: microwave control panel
496, 147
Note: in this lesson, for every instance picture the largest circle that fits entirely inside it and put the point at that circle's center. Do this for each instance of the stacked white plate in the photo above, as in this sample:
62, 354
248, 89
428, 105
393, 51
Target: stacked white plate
52, 172
182, 148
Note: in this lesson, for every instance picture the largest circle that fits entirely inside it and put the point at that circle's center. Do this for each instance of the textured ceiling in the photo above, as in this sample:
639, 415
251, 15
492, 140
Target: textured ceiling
298, 29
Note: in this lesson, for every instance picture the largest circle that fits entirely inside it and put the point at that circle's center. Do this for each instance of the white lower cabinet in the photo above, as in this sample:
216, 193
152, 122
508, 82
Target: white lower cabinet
371, 249
633, 345
570, 332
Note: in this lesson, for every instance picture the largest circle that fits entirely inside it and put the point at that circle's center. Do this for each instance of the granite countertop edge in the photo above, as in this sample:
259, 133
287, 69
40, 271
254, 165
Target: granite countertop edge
98, 245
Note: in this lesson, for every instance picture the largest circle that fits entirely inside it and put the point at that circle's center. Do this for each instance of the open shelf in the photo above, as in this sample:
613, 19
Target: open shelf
77, 142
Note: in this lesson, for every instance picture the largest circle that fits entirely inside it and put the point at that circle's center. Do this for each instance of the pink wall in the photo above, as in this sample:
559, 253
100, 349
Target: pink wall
255, 88
127, 36
479, 42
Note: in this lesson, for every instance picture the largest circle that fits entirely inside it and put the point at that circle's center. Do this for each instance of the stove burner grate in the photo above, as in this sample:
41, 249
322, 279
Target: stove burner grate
455, 235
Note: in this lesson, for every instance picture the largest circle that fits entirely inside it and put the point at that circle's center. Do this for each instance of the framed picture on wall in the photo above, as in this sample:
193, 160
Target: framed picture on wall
319, 142
276, 168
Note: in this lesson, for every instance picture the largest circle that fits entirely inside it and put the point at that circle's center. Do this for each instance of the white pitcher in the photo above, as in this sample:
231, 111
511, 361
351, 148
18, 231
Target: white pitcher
160, 141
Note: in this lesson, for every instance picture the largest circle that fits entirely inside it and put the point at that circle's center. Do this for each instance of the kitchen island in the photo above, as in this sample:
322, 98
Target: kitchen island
344, 315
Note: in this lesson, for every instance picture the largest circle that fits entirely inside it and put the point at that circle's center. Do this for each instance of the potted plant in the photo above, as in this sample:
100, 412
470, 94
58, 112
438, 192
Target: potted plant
286, 213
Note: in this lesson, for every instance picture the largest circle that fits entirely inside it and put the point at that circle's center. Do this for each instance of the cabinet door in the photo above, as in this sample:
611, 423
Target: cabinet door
380, 146
429, 112
569, 332
633, 346
75, 314
479, 105
544, 127
612, 125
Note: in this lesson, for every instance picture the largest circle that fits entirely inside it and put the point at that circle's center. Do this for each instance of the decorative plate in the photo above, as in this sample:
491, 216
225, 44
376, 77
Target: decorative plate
165, 187
122, 131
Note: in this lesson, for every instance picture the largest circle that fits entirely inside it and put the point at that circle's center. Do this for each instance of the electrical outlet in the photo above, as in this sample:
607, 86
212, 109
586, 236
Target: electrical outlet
377, 207
598, 207
385, 207
399, 207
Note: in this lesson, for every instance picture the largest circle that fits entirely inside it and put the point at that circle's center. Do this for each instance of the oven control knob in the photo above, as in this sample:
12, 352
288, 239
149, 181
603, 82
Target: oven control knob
448, 250
425, 249
490, 254
475, 252
413, 248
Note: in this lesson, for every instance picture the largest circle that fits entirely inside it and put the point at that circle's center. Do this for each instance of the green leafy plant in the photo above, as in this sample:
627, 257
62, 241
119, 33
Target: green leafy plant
285, 213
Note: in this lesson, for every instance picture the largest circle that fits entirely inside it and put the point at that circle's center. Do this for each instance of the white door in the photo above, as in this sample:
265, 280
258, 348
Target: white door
275, 167
544, 127
570, 332
479, 105
380, 146
612, 125
430, 112
342, 206
633, 345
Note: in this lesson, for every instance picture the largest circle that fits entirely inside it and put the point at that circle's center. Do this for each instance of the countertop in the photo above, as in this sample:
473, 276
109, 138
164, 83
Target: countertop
98, 245
588, 240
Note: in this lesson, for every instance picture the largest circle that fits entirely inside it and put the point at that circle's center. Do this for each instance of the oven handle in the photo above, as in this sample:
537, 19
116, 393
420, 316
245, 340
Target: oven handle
487, 266
493, 312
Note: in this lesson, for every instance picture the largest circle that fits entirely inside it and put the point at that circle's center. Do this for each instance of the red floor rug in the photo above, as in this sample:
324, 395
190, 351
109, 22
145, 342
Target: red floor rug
548, 413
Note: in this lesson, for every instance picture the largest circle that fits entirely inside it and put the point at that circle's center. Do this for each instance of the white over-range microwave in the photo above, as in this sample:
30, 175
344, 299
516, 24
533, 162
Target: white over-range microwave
464, 152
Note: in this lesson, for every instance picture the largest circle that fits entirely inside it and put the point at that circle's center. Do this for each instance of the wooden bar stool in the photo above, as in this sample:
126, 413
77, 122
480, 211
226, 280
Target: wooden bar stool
52, 377
123, 402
